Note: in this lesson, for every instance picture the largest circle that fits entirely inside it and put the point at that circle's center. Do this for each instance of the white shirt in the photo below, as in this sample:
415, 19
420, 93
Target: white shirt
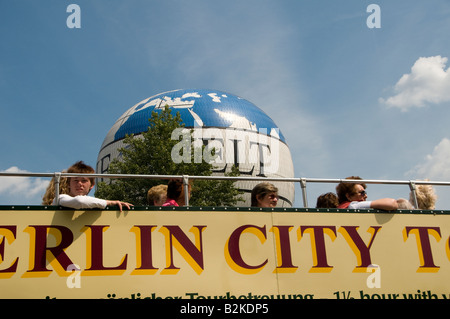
360, 205
81, 202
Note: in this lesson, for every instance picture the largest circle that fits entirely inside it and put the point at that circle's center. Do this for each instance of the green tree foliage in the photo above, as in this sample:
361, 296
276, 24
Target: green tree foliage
150, 154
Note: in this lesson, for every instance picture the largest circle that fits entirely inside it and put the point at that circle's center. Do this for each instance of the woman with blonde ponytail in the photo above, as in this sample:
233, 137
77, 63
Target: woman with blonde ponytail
49, 195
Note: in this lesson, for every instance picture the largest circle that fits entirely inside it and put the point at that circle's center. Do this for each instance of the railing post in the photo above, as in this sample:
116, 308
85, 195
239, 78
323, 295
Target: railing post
57, 182
303, 186
412, 187
186, 189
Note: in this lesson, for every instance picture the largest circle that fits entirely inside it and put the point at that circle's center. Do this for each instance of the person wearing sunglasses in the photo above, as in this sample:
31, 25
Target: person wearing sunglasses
354, 196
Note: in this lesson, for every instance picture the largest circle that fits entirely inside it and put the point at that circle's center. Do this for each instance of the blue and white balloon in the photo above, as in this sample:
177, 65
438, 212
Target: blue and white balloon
241, 133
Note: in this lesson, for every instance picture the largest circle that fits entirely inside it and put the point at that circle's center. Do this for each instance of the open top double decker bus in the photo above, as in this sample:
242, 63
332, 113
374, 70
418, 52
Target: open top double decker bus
224, 252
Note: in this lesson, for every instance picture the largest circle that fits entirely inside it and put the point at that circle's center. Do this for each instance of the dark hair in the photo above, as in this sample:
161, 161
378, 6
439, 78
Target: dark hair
174, 189
328, 200
343, 188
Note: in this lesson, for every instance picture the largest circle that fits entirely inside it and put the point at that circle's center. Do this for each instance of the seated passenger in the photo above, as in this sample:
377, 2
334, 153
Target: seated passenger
264, 195
78, 188
404, 204
328, 200
175, 193
49, 195
426, 198
353, 196
157, 195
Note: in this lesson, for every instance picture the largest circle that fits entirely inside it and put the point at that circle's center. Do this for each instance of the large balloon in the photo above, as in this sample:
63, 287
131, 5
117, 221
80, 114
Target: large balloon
241, 133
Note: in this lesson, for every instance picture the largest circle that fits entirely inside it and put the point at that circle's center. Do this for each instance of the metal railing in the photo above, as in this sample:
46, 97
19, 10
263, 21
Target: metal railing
185, 178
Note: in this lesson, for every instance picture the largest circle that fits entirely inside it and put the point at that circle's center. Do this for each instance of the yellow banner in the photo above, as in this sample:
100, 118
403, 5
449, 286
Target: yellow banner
201, 254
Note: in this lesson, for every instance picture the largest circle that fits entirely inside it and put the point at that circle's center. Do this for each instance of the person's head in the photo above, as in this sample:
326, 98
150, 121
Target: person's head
426, 198
328, 200
80, 185
404, 204
264, 195
157, 195
175, 191
350, 192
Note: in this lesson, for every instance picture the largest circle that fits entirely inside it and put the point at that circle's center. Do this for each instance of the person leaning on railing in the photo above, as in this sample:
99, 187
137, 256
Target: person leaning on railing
354, 196
75, 190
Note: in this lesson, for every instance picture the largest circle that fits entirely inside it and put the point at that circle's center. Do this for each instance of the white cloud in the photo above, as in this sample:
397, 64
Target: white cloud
436, 165
428, 82
22, 189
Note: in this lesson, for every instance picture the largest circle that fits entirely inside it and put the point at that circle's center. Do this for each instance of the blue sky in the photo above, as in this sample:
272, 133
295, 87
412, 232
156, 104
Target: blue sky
350, 100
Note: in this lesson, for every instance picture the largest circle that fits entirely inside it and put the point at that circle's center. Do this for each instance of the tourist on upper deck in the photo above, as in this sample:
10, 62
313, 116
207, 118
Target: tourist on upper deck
426, 198
353, 196
157, 195
78, 188
327, 200
49, 195
404, 204
264, 195
175, 193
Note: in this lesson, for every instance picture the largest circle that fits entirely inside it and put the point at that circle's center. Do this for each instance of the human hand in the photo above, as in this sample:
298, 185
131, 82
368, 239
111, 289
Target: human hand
119, 203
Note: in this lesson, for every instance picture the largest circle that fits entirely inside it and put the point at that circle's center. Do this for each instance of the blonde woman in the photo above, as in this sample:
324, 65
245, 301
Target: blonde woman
49, 195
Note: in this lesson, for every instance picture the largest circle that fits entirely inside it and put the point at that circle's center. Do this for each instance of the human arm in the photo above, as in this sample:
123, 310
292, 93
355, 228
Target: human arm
360, 205
383, 203
83, 202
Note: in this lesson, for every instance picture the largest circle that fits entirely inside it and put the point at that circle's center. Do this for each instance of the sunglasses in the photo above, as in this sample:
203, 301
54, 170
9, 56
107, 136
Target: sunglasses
362, 193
